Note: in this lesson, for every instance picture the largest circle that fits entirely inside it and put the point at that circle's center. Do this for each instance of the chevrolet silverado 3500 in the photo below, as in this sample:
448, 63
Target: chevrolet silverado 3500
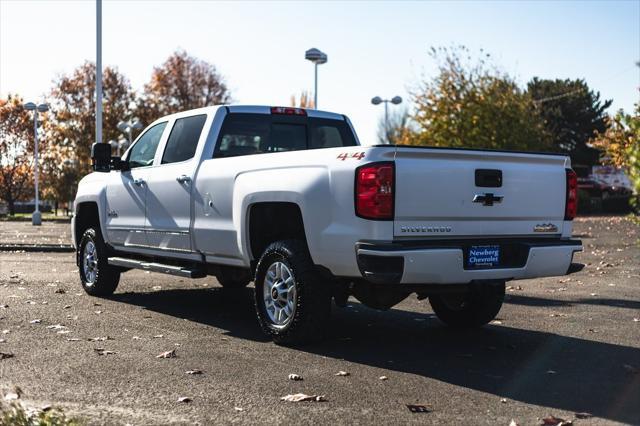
289, 199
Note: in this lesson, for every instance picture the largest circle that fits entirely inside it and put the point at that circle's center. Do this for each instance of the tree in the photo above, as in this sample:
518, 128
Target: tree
471, 104
182, 82
305, 101
572, 115
16, 152
399, 129
621, 143
72, 128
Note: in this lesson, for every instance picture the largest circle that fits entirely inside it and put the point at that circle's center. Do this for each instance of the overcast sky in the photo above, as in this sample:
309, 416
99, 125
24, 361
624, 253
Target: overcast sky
374, 48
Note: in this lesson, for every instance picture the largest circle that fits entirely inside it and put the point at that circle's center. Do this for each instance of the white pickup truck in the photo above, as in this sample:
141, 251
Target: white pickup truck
289, 199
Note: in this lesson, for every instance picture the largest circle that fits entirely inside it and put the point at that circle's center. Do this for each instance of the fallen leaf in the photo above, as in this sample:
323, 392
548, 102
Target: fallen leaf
383, 378
301, 397
101, 351
184, 399
56, 327
99, 339
193, 372
168, 354
555, 421
5, 355
583, 415
342, 373
418, 408
11, 396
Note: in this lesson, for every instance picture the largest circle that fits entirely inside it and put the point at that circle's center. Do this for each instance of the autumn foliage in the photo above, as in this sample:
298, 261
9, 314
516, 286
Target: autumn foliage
16, 151
66, 133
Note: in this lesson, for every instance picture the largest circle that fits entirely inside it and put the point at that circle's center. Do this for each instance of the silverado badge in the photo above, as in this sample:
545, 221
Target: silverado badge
545, 227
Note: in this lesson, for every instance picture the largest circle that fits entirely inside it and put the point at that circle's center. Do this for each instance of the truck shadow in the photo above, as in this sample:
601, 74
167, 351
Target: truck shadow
533, 367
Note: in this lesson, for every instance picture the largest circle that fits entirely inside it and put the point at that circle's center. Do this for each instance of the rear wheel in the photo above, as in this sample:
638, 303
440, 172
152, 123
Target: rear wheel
96, 276
473, 309
292, 303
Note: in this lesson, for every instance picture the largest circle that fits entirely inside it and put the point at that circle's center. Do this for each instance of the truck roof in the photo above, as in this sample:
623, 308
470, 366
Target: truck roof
253, 109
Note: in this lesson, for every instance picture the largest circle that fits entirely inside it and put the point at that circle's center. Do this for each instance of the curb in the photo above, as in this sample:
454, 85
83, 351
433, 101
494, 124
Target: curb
43, 248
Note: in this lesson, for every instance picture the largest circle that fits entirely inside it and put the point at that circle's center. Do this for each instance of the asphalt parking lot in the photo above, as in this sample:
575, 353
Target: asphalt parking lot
565, 346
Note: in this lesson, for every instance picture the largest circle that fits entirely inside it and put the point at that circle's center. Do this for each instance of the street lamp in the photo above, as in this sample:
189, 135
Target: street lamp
318, 58
377, 101
127, 127
119, 146
36, 218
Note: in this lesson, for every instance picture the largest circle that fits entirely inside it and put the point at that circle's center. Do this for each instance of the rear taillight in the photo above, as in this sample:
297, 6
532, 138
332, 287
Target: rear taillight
374, 191
288, 111
571, 205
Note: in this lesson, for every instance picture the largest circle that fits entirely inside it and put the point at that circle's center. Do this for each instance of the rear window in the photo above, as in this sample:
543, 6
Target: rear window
247, 134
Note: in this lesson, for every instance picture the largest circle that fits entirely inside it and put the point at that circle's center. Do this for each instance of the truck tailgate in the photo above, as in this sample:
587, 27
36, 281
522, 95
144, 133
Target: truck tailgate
435, 191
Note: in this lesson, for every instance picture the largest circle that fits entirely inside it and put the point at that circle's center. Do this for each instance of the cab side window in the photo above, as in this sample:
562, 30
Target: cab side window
183, 139
143, 151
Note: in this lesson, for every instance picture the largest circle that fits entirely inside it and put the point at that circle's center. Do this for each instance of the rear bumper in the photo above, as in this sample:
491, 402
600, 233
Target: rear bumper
442, 262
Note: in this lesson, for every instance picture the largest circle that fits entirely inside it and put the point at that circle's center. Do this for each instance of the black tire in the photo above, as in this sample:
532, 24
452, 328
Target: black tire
233, 278
312, 304
473, 309
106, 278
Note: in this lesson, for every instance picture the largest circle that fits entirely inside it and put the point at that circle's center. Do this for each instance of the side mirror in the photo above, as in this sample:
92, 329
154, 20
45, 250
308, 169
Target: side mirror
101, 157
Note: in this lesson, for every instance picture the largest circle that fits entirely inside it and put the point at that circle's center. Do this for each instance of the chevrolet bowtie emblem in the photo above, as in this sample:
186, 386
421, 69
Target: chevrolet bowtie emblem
487, 199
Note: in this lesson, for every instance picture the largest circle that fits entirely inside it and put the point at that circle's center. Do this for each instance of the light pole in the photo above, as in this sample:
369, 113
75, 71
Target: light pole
318, 58
127, 127
377, 101
119, 145
36, 218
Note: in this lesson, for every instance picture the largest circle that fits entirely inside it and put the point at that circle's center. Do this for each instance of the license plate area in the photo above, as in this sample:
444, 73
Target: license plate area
483, 256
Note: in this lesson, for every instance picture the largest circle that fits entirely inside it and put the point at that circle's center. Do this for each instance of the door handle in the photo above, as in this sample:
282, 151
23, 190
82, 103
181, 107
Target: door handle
183, 178
138, 182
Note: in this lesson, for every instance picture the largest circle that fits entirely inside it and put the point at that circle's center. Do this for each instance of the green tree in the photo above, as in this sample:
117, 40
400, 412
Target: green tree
572, 115
470, 103
182, 82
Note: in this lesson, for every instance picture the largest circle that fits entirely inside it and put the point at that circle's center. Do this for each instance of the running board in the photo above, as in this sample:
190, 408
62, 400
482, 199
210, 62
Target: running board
157, 267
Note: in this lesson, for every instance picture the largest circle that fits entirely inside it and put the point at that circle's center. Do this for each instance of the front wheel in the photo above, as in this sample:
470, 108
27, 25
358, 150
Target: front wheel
98, 278
473, 309
293, 305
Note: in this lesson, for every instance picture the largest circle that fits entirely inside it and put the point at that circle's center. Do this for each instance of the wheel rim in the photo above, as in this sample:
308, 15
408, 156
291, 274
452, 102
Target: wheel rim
279, 294
90, 263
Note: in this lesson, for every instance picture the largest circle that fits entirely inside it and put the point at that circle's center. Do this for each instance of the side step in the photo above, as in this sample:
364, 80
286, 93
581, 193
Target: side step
157, 267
